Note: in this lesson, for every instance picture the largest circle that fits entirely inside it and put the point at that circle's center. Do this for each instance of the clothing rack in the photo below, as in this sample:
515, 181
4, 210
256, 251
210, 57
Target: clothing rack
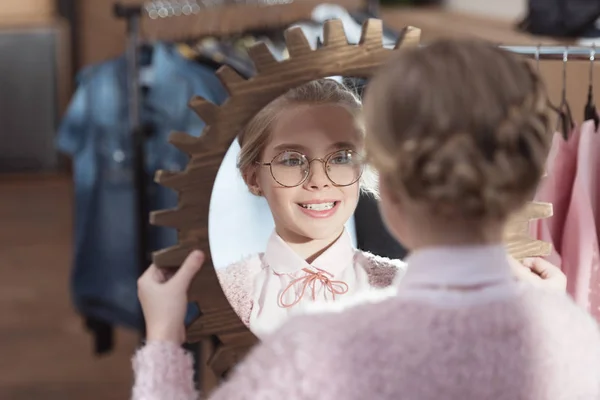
132, 15
562, 53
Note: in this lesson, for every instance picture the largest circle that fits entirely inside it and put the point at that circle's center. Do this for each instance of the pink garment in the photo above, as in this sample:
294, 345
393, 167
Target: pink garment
254, 285
556, 188
580, 255
163, 370
500, 340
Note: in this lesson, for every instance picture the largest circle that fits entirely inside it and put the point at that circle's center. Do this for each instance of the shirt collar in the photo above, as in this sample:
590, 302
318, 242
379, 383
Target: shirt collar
457, 265
282, 259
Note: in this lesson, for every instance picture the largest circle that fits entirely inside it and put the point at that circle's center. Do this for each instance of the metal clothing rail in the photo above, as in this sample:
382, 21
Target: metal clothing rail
132, 15
562, 53
175, 8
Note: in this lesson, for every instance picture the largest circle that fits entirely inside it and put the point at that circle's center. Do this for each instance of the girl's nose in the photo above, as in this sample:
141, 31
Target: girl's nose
317, 178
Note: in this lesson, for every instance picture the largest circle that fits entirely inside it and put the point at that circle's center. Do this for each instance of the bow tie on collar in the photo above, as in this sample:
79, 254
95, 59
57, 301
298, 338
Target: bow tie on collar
310, 280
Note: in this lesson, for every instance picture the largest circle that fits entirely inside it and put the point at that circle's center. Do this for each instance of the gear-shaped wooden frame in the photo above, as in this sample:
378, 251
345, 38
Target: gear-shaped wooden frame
218, 320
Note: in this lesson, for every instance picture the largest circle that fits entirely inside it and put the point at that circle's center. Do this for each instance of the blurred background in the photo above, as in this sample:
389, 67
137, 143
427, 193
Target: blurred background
88, 95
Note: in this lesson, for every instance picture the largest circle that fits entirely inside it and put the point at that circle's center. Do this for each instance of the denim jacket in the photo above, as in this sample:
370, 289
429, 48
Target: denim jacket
95, 132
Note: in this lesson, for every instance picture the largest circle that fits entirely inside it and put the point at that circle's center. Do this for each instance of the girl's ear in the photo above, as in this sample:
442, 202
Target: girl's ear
386, 191
251, 178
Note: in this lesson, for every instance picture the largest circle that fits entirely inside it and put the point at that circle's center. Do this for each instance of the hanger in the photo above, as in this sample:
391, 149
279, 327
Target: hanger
537, 67
590, 112
565, 118
213, 51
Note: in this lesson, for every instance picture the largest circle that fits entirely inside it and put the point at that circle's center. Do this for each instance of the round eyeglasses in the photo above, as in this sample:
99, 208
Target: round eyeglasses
292, 168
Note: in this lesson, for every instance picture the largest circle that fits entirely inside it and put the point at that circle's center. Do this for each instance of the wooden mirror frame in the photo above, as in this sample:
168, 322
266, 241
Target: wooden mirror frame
230, 338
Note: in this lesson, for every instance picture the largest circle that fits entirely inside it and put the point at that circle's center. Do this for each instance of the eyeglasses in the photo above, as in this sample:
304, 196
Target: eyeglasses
291, 168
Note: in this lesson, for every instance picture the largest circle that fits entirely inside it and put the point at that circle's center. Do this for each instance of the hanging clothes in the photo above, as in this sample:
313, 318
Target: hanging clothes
372, 235
579, 248
95, 132
556, 188
233, 51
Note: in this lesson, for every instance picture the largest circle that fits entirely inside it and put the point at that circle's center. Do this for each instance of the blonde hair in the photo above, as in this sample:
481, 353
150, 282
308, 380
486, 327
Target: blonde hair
256, 134
461, 127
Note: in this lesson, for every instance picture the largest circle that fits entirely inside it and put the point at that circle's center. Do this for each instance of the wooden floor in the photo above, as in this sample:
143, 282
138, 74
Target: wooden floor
44, 351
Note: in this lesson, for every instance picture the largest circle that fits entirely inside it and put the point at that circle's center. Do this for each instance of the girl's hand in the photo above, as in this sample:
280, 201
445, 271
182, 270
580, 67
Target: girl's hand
540, 273
163, 296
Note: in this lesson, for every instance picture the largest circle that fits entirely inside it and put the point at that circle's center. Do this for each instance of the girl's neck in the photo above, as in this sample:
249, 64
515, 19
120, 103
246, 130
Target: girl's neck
456, 233
307, 248
458, 239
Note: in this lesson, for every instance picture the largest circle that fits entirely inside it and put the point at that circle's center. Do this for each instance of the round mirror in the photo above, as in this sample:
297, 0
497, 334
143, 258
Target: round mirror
282, 220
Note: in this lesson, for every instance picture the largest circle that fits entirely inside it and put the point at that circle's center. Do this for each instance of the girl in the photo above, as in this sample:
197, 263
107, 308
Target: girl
304, 153
459, 146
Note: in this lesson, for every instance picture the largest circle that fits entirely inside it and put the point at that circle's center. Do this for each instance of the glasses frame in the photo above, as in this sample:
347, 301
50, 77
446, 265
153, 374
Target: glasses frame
324, 161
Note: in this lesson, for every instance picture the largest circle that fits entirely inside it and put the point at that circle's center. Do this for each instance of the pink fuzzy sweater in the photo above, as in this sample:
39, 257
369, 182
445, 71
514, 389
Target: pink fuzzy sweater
459, 328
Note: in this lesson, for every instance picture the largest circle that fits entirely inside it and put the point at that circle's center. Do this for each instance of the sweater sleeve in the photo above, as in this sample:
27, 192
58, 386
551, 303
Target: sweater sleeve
236, 281
163, 370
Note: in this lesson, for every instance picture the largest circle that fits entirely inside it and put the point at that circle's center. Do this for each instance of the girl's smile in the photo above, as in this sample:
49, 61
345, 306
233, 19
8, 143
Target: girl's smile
319, 208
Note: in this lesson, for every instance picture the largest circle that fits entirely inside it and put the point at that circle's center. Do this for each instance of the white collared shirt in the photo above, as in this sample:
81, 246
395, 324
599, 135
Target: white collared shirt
276, 295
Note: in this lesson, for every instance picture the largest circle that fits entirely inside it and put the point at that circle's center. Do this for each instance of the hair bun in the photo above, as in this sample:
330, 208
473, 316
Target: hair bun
456, 178
468, 133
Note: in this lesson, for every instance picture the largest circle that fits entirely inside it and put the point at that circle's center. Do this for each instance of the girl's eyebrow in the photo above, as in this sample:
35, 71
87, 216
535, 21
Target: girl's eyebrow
290, 146
343, 146
304, 149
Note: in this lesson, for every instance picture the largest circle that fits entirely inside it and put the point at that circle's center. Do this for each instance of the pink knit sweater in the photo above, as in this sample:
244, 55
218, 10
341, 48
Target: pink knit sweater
459, 328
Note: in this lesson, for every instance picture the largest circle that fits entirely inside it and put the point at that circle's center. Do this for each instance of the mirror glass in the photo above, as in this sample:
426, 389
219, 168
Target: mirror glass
292, 224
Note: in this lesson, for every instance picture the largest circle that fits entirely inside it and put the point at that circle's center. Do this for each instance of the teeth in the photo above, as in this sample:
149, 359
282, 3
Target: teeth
319, 207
